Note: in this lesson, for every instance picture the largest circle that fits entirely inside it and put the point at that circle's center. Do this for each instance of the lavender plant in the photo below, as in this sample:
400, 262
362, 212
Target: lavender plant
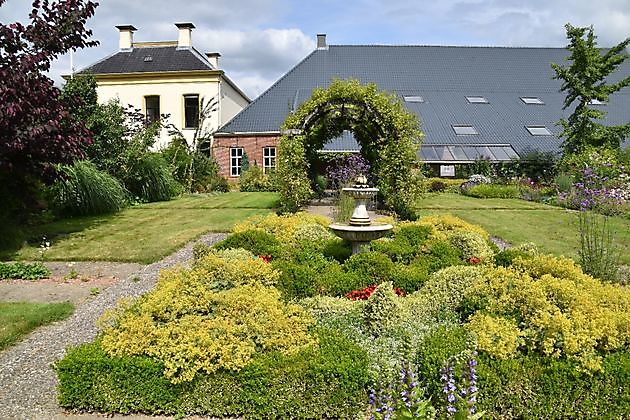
402, 399
344, 169
461, 398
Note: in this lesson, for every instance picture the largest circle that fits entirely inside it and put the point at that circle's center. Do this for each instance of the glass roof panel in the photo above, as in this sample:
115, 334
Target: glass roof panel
510, 152
532, 100
458, 153
499, 153
538, 130
471, 152
428, 153
465, 130
411, 98
476, 100
443, 153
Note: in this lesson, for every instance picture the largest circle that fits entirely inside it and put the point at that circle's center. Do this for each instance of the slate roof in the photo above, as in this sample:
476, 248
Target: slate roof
151, 59
443, 76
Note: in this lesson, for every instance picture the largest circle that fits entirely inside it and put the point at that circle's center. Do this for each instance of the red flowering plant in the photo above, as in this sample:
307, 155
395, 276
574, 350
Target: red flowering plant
265, 258
364, 294
473, 260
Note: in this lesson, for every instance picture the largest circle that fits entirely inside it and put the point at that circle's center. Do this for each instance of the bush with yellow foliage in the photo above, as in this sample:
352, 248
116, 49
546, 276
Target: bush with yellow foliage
217, 315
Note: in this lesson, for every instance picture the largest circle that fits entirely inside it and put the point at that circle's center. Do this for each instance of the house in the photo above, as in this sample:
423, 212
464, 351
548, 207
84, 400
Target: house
496, 103
168, 77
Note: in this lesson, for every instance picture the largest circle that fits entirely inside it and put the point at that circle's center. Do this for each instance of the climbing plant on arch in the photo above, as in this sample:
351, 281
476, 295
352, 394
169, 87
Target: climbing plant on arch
388, 134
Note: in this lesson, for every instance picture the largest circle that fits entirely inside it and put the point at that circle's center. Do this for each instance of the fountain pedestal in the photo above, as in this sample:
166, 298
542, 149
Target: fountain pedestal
360, 230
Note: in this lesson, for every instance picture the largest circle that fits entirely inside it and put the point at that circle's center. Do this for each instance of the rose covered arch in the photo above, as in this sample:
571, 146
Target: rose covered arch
388, 134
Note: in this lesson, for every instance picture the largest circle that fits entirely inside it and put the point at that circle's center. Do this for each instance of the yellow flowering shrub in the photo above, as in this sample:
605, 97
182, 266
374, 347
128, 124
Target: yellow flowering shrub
444, 225
233, 325
229, 269
286, 228
560, 311
499, 337
213, 316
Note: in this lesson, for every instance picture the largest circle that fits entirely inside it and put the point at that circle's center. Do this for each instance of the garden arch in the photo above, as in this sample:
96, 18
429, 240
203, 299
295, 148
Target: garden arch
388, 134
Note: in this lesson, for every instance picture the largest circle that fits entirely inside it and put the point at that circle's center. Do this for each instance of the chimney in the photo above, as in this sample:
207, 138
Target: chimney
125, 42
213, 58
185, 39
321, 42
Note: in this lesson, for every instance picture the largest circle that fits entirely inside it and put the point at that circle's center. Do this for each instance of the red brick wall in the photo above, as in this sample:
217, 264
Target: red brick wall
252, 145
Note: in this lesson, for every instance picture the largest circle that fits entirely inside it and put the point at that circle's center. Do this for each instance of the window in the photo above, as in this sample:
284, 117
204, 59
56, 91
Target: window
269, 159
465, 130
477, 100
538, 130
532, 100
236, 159
152, 108
416, 99
596, 102
191, 111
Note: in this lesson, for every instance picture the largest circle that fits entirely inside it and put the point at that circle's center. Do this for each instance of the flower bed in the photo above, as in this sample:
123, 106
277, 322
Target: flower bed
281, 321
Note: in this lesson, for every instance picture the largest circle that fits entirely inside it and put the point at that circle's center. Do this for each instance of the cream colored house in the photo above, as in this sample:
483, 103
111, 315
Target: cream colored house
168, 77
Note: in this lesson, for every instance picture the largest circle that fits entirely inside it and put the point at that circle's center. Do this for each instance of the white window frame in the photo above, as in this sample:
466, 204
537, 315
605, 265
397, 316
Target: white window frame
236, 160
269, 158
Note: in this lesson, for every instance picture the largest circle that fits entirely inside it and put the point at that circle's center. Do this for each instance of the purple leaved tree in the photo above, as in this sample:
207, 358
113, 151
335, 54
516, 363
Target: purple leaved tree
35, 129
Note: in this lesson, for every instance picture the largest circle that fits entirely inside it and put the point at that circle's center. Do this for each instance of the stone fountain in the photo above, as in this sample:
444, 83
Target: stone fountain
360, 230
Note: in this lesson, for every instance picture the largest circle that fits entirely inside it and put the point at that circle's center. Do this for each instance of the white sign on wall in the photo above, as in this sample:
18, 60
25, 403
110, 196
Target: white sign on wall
447, 170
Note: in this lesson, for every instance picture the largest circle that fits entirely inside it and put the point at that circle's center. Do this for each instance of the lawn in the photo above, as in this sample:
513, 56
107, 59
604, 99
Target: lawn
553, 229
143, 233
20, 318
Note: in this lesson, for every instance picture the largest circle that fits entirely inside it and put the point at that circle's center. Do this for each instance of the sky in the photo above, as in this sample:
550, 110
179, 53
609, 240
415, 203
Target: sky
260, 40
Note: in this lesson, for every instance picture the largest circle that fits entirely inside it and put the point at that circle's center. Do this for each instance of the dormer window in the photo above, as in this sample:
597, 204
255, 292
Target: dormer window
148, 59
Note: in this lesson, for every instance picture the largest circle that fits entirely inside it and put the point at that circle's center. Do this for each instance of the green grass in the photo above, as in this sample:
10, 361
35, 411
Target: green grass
20, 318
143, 233
553, 229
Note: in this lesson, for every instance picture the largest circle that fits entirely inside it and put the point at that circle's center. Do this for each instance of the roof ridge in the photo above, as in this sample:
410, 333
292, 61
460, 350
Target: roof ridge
450, 46
242, 111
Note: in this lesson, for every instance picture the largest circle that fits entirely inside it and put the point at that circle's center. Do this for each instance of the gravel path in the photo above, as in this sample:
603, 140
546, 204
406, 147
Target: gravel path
27, 381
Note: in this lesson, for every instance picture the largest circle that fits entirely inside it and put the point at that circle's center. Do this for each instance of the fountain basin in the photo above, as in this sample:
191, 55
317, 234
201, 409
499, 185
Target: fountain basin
360, 236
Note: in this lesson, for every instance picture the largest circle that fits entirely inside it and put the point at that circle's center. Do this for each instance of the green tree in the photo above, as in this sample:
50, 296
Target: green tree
587, 79
106, 122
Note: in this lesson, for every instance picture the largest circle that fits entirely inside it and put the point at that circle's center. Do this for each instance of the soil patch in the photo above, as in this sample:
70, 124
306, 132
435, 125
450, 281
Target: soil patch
70, 281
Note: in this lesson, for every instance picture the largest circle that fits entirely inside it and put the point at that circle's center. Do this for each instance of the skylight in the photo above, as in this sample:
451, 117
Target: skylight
477, 100
532, 100
538, 130
465, 130
596, 102
416, 99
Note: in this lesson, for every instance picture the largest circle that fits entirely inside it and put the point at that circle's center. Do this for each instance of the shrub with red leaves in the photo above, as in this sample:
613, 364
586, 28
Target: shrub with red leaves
265, 258
364, 294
